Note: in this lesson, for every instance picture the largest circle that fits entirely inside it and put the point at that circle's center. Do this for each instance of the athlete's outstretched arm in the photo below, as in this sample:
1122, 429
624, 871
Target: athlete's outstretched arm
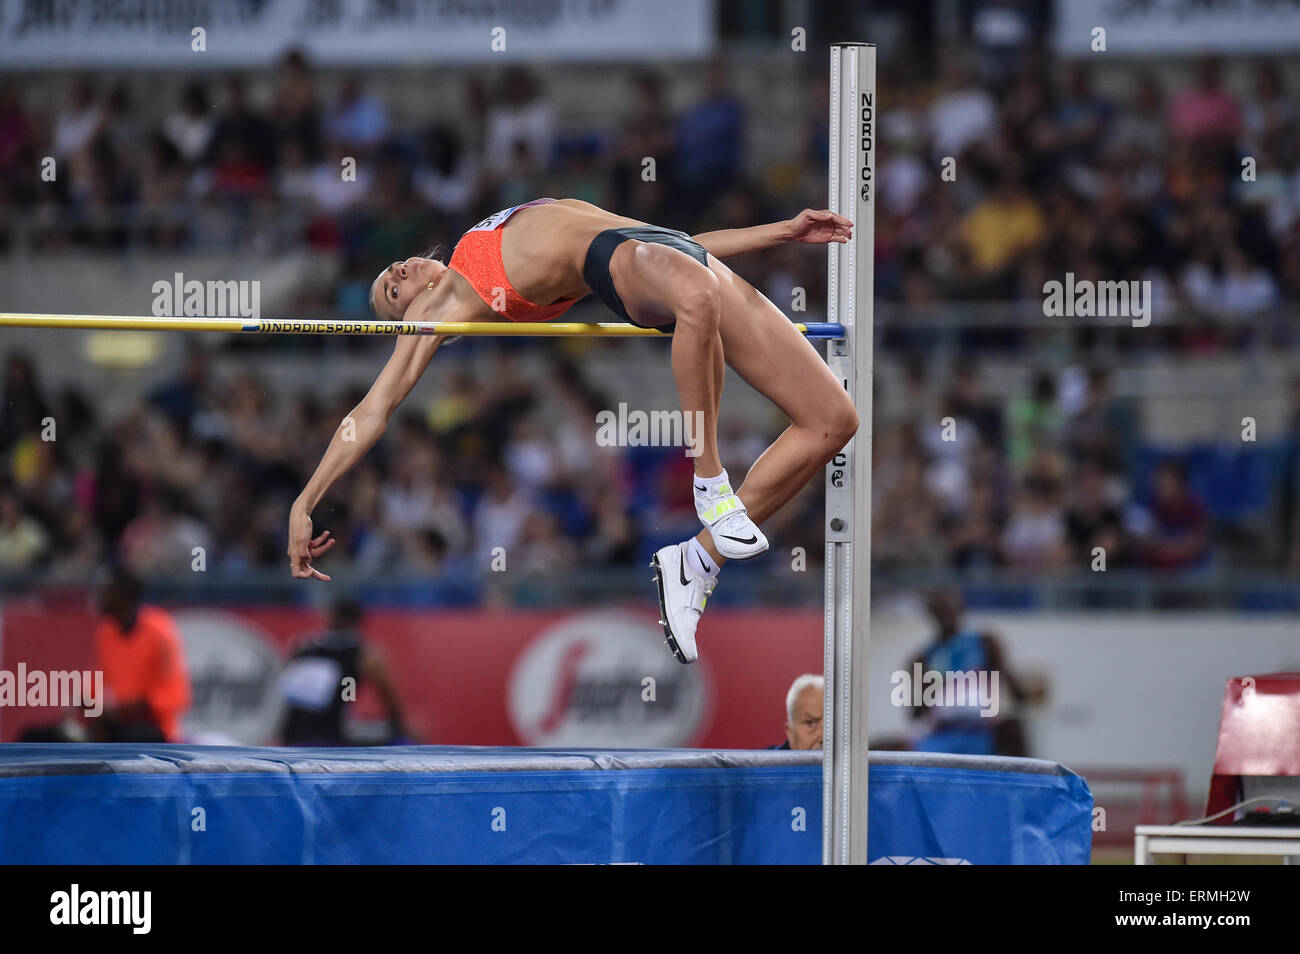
811, 226
355, 436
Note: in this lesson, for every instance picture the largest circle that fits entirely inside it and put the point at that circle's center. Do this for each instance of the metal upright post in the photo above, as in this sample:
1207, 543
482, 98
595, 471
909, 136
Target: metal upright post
848, 476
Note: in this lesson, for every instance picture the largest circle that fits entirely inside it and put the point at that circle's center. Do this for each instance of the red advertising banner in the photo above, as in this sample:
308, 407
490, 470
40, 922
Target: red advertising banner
586, 678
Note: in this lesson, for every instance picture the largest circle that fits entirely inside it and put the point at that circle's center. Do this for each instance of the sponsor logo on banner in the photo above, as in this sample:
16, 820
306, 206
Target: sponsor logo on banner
605, 679
233, 674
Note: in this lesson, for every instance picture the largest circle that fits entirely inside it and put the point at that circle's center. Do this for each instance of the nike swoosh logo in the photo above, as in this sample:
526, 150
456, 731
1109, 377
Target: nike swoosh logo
740, 539
701, 489
681, 570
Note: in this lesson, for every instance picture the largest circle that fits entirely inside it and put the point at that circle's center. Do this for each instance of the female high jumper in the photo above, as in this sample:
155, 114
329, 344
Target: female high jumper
532, 263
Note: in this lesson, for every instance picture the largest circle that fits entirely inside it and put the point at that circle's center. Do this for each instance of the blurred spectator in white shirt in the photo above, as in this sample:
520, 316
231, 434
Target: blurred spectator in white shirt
357, 118
962, 114
23, 541
338, 184
521, 115
191, 127
79, 123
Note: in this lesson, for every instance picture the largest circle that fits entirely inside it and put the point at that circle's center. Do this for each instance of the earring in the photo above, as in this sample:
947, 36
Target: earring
430, 286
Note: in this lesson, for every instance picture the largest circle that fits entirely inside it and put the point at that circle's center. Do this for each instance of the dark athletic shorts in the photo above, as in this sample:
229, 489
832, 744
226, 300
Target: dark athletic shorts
595, 270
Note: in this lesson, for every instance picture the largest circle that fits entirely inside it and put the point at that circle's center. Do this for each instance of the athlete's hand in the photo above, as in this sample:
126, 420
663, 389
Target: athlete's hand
303, 549
815, 227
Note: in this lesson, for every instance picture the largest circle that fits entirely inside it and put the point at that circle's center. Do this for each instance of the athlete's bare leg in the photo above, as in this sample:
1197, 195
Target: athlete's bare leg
765, 349
722, 318
658, 285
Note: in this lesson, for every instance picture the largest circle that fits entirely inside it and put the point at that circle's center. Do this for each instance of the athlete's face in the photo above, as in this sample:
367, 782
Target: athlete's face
805, 732
398, 284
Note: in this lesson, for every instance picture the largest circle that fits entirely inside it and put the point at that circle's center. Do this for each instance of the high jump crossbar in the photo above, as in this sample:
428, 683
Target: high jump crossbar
321, 326
850, 278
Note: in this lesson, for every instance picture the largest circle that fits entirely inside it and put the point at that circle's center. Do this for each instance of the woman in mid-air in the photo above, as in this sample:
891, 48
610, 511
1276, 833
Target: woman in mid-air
532, 263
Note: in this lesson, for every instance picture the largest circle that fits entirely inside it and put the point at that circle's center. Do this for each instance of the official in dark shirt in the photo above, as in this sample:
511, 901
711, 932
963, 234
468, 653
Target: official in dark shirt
322, 677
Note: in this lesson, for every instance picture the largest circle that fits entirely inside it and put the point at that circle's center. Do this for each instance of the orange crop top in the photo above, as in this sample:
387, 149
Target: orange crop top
477, 259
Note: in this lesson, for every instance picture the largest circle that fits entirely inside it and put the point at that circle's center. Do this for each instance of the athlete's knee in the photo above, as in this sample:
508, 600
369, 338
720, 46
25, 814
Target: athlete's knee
839, 421
699, 302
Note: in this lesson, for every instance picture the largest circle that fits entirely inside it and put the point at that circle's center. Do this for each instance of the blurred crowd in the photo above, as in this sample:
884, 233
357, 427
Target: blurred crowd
993, 178
335, 175
501, 470
1195, 188
999, 175
1060, 479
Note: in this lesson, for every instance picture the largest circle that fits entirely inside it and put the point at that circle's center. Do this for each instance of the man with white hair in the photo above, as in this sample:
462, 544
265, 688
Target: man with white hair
803, 713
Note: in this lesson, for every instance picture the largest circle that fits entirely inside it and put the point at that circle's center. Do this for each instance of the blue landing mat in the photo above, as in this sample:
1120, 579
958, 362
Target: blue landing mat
179, 804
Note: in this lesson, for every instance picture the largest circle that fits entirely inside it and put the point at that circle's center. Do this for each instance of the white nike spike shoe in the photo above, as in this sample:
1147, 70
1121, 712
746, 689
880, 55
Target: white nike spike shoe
682, 597
734, 534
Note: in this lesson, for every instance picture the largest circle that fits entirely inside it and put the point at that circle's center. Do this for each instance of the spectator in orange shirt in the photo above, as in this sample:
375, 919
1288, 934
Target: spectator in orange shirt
145, 678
